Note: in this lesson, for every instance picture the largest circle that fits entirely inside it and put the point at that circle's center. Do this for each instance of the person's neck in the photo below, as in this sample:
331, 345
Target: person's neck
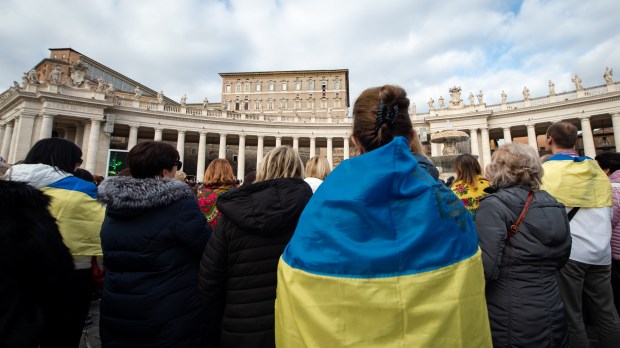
570, 152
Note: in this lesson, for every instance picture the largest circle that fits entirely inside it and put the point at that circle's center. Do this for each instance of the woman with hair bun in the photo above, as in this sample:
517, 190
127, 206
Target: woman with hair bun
520, 262
239, 264
383, 254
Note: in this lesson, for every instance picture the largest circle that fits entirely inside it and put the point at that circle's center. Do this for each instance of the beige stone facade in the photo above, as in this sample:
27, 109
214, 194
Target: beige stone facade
305, 94
106, 113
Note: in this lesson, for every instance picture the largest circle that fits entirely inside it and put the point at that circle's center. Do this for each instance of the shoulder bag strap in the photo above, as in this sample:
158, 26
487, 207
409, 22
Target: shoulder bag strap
571, 214
514, 229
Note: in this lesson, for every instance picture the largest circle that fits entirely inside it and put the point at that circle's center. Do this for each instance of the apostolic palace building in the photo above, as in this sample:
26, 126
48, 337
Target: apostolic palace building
106, 113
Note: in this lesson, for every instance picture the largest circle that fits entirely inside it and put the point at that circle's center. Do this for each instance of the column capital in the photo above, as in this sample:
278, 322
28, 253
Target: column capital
203, 132
506, 128
241, 135
615, 114
179, 131
473, 130
260, 136
223, 135
584, 117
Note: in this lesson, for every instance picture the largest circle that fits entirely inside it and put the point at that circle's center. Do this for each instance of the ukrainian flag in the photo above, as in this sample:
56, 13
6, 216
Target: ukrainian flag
576, 181
78, 214
383, 256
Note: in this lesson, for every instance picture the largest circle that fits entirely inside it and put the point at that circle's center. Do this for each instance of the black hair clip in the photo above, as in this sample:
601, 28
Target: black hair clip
385, 116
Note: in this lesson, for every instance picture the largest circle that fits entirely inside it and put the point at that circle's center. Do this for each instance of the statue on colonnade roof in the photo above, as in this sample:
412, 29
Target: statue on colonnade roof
77, 72
609, 75
577, 81
455, 95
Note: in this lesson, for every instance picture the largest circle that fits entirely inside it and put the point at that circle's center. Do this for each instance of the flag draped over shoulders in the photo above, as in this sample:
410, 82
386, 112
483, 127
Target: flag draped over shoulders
576, 181
383, 255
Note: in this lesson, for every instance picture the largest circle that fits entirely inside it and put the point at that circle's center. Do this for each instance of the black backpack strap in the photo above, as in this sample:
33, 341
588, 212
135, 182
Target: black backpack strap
572, 212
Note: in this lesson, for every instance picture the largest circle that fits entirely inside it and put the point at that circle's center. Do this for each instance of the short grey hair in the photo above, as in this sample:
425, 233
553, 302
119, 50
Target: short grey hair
516, 163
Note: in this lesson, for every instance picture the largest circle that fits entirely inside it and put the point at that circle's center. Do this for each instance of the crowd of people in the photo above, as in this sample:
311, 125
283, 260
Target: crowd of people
377, 252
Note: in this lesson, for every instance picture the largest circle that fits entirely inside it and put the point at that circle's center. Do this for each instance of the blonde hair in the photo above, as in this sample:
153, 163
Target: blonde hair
281, 162
219, 172
180, 175
318, 167
516, 163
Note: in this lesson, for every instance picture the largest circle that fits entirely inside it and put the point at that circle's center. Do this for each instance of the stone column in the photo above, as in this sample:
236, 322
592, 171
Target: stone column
241, 158
588, 140
259, 150
22, 135
222, 146
330, 153
85, 139
181, 144
93, 145
507, 136
2, 128
46, 127
435, 149
312, 147
202, 149
133, 137
278, 141
79, 134
158, 134
345, 149
531, 137
615, 120
486, 146
296, 143
6, 141
475, 147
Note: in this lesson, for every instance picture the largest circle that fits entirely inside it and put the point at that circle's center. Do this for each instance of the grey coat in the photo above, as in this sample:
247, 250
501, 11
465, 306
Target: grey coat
523, 298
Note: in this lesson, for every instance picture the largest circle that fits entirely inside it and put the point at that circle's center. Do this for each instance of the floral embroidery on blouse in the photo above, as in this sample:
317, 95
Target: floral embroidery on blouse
469, 195
207, 198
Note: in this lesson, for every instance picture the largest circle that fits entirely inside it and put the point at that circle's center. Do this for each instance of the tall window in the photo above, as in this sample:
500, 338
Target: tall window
247, 86
324, 103
271, 86
257, 104
337, 103
298, 86
311, 85
310, 103
238, 88
284, 104
297, 103
284, 86
337, 84
258, 87
228, 89
270, 104
246, 105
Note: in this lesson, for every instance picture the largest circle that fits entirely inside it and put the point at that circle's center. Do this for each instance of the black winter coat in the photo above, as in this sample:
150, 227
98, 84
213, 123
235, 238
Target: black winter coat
36, 272
152, 238
523, 298
238, 271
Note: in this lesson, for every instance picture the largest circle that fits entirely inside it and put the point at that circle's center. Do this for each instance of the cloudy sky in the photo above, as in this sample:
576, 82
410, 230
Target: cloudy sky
425, 46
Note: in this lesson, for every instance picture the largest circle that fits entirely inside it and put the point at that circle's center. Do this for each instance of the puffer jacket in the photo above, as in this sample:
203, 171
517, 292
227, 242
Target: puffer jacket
238, 271
615, 220
523, 298
152, 237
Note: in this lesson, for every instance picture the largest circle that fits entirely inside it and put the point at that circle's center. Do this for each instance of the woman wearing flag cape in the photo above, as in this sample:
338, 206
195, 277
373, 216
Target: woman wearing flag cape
383, 254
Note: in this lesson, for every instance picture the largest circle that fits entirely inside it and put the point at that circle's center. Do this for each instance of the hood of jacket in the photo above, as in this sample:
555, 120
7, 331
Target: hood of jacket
37, 175
269, 207
615, 177
127, 196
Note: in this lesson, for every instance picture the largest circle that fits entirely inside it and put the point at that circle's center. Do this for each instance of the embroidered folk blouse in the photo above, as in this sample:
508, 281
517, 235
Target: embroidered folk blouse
470, 195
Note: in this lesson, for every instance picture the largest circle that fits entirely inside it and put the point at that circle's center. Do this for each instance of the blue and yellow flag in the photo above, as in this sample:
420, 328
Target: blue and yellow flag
383, 256
576, 181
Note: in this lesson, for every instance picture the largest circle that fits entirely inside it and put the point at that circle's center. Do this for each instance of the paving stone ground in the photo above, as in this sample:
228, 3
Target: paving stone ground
90, 335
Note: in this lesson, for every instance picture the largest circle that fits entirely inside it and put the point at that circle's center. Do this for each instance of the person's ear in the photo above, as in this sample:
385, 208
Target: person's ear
358, 144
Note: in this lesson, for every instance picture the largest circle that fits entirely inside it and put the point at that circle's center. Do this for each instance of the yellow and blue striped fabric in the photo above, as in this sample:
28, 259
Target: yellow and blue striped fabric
383, 256
576, 181
78, 214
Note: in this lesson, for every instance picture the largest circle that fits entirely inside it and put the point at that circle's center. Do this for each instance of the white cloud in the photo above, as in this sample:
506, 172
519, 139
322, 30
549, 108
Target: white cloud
426, 47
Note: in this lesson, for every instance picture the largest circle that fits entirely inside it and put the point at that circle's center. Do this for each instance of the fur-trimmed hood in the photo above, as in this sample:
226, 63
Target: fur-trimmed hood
130, 196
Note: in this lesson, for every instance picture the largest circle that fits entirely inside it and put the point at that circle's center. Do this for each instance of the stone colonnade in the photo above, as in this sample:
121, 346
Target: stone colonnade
481, 147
